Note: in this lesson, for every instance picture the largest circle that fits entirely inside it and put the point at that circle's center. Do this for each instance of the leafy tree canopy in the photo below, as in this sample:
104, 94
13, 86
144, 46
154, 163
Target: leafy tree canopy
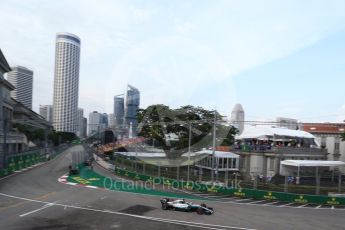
156, 121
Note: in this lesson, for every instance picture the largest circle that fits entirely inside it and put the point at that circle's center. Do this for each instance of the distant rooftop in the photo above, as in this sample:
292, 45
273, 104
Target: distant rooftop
324, 128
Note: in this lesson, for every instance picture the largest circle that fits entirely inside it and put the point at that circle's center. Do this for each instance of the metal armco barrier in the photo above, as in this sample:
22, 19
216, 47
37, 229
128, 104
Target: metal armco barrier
243, 193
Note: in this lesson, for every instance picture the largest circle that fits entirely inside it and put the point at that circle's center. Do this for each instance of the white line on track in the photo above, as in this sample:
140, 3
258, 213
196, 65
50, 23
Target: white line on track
218, 196
285, 205
242, 199
178, 222
269, 204
301, 206
37, 210
255, 202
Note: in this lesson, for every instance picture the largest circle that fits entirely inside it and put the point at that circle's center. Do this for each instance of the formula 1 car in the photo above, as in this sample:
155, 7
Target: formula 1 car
182, 205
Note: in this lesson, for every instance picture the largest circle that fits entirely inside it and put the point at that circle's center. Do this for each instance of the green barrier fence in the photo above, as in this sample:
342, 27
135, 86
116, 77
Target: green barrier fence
20, 162
23, 161
242, 193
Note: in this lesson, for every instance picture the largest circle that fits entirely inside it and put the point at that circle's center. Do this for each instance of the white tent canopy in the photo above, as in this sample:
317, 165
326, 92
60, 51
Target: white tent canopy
267, 132
312, 163
219, 154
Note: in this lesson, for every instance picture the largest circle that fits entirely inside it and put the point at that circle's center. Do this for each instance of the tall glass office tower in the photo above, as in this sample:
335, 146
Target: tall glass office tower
119, 109
132, 106
66, 82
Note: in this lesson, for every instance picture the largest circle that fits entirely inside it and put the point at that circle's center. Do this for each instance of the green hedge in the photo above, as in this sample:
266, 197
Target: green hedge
243, 193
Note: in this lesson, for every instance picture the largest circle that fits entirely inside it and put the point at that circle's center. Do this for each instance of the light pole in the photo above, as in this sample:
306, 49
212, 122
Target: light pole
189, 148
213, 146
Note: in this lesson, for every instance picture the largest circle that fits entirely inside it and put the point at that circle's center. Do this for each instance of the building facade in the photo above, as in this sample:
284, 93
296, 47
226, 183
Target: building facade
22, 79
328, 135
237, 117
132, 107
288, 123
46, 111
262, 148
119, 109
80, 122
66, 83
84, 133
97, 122
10, 140
111, 121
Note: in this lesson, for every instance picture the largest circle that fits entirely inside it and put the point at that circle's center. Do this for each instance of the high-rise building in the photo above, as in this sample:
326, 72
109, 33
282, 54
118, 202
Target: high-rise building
84, 133
288, 123
132, 106
119, 109
80, 122
94, 122
22, 79
46, 111
111, 120
66, 82
237, 117
98, 122
104, 121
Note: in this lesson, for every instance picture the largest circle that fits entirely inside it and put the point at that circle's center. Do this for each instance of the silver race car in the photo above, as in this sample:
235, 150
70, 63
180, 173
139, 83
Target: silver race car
182, 205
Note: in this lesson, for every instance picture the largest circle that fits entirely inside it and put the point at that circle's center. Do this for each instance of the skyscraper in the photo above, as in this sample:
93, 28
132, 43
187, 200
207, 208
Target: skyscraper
95, 119
111, 120
80, 122
119, 109
98, 122
237, 117
84, 133
66, 82
132, 106
46, 111
22, 79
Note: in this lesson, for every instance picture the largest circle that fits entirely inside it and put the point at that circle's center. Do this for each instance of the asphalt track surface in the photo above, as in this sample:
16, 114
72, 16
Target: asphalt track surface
34, 199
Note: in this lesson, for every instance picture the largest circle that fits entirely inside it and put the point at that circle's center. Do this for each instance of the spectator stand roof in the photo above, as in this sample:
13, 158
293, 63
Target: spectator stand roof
312, 163
267, 132
219, 154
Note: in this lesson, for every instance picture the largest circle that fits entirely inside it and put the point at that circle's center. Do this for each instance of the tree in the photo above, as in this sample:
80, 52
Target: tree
32, 133
343, 136
158, 120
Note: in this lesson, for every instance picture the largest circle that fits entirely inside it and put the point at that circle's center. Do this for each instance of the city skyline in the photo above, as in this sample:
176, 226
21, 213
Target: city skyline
201, 64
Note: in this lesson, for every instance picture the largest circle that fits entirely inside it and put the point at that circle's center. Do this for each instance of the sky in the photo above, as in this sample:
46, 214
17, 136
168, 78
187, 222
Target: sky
276, 58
